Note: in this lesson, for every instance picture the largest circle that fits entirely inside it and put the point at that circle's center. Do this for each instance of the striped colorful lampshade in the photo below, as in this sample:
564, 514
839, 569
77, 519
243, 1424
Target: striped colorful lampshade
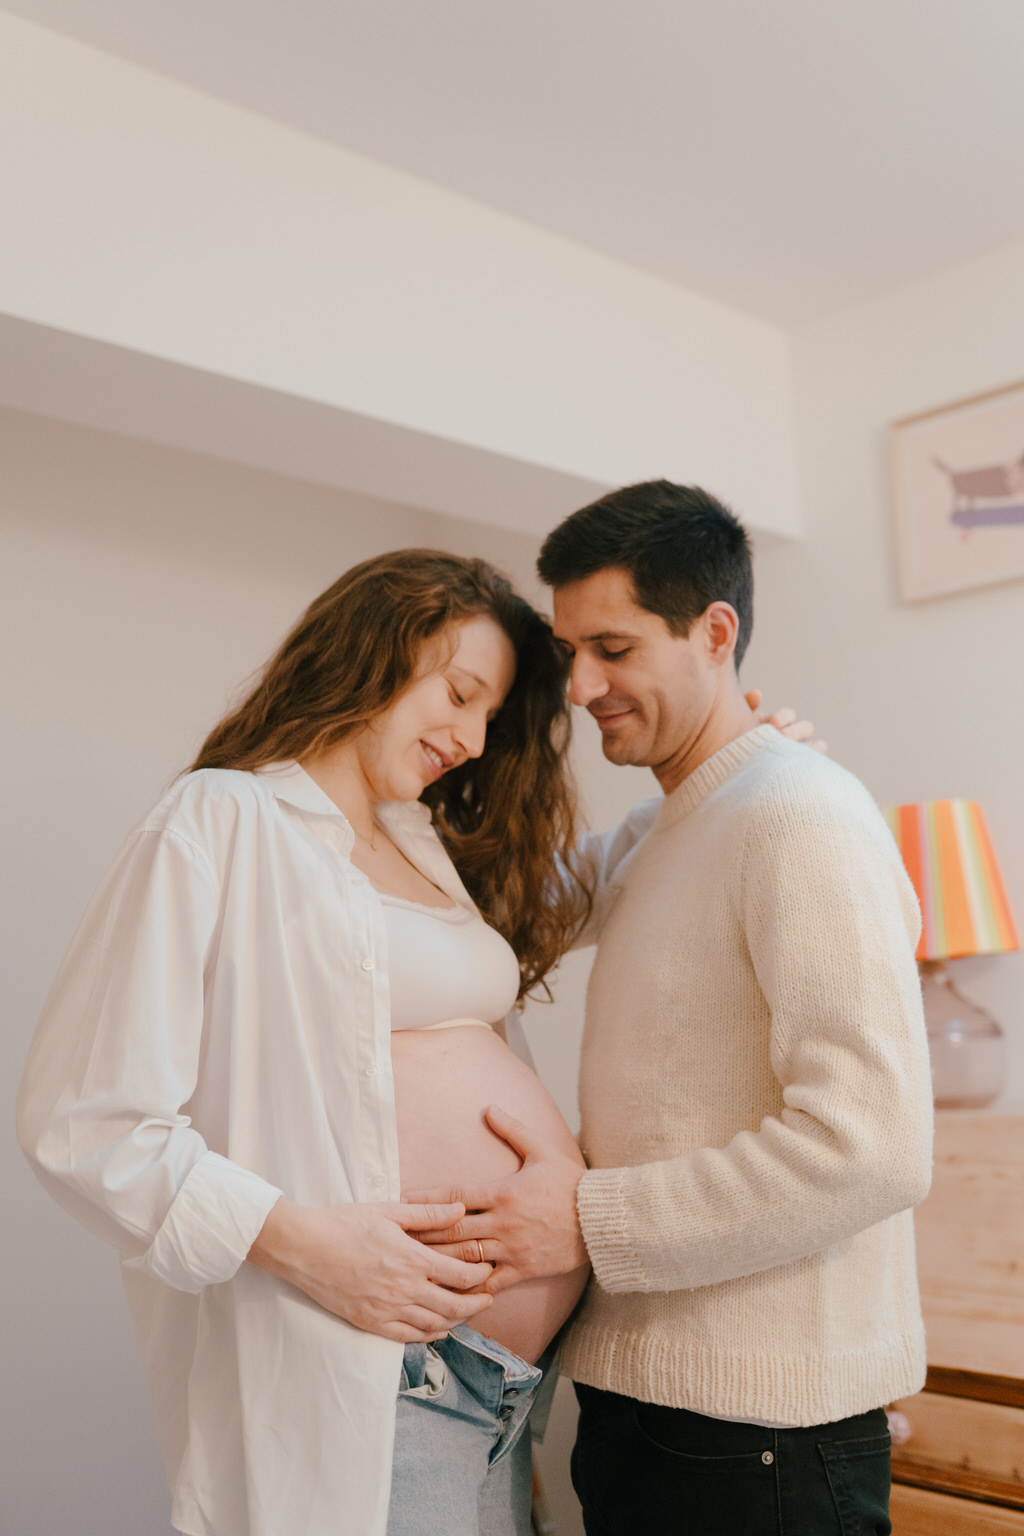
947, 853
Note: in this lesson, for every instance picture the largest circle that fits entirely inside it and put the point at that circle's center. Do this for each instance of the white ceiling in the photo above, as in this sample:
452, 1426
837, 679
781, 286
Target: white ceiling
788, 157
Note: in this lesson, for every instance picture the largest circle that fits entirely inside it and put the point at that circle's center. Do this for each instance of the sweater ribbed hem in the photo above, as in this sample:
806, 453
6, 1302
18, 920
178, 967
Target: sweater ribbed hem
796, 1391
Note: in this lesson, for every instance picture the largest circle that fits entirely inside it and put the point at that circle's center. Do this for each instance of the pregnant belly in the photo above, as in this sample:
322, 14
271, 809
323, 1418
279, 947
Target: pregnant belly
444, 1080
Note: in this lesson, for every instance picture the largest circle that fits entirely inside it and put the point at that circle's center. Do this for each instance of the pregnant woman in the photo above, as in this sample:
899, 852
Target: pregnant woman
284, 1004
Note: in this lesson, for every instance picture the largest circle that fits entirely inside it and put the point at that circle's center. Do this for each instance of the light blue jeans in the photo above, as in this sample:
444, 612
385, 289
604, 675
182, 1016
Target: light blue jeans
462, 1463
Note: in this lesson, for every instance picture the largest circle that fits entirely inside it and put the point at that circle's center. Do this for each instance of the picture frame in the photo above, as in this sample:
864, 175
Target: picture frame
958, 492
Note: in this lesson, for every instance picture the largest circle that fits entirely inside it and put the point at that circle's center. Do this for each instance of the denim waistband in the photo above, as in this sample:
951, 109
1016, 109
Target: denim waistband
501, 1384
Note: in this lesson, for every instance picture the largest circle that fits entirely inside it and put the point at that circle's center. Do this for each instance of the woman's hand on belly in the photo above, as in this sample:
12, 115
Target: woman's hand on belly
361, 1263
526, 1225
444, 1080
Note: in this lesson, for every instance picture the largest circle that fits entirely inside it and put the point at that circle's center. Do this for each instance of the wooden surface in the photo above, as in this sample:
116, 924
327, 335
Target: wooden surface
920, 1512
962, 1446
962, 1471
981, 1387
970, 1245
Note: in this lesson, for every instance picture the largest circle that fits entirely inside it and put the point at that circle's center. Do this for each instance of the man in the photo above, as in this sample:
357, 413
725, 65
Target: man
755, 1091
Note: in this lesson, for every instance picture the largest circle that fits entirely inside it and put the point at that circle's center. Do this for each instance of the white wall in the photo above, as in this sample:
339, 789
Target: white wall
922, 701
145, 215
138, 587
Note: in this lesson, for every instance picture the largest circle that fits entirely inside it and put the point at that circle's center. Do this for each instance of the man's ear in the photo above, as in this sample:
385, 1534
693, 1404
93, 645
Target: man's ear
721, 627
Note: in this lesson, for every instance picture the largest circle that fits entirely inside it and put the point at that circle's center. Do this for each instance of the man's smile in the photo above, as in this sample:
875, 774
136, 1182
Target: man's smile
609, 715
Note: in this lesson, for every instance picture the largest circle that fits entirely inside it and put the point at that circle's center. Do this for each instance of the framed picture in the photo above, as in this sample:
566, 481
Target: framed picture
958, 486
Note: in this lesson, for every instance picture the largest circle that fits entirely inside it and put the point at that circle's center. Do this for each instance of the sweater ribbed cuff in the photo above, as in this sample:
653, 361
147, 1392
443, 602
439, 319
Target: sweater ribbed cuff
602, 1207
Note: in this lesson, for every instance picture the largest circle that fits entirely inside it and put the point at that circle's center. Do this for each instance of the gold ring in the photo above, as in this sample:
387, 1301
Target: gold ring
480, 1252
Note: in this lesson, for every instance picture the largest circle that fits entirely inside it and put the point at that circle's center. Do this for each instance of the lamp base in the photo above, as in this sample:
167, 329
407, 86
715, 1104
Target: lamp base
967, 1046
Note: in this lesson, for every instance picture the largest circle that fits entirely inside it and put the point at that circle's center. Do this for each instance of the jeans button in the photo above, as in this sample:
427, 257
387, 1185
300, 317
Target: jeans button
767, 1458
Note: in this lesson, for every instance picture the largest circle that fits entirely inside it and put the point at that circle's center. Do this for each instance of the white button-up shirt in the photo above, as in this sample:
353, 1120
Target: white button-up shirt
218, 1034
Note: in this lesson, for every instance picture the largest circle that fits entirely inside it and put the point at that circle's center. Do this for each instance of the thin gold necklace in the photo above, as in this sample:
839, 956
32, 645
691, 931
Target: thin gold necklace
372, 839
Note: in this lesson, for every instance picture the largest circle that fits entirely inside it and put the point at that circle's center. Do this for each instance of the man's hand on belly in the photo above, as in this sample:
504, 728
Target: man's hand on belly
525, 1225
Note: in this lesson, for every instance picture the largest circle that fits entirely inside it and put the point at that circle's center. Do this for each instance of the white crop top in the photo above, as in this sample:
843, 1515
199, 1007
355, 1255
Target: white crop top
445, 963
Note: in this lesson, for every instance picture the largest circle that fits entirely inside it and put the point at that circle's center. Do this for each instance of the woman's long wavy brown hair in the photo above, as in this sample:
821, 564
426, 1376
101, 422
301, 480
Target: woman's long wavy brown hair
504, 817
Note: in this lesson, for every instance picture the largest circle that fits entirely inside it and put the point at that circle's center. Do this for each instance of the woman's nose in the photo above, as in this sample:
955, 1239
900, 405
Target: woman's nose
472, 732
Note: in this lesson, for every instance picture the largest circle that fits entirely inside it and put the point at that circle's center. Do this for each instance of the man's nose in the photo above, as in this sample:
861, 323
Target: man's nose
586, 679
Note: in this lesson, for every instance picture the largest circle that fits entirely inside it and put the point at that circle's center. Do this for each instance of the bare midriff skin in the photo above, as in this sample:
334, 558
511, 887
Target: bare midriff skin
444, 1080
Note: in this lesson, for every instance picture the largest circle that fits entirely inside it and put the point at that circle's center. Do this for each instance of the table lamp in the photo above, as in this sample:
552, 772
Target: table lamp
948, 856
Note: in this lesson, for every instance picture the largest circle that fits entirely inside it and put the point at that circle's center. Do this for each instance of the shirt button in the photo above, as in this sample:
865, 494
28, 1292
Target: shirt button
371, 1072
367, 965
767, 1458
377, 1180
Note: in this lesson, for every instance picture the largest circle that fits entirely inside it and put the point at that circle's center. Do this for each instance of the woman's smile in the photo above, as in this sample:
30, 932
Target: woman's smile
436, 758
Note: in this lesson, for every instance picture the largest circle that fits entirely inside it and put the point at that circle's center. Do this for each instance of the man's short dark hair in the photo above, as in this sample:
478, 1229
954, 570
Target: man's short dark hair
683, 549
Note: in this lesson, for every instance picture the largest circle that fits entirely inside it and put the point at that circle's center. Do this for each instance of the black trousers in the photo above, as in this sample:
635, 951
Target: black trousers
643, 1470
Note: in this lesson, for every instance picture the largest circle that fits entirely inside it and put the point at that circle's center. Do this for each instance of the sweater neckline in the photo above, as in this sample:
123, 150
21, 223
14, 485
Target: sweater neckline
721, 766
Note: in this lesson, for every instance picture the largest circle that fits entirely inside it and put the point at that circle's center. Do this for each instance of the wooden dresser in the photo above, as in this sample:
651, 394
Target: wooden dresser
961, 1471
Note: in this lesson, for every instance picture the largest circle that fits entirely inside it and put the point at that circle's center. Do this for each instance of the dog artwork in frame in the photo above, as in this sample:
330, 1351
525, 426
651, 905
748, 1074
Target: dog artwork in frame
958, 489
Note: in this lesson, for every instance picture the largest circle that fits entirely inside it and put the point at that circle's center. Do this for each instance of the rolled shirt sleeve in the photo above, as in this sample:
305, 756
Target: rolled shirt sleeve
114, 1061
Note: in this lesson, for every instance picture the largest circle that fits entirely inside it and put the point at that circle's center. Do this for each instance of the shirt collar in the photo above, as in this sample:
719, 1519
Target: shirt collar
289, 781
408, 823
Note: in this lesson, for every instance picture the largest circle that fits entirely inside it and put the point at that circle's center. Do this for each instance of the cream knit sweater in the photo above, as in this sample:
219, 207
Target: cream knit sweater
756, 1100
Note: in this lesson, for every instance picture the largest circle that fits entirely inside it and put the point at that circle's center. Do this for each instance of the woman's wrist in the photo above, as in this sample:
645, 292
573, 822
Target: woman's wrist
280, 1240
